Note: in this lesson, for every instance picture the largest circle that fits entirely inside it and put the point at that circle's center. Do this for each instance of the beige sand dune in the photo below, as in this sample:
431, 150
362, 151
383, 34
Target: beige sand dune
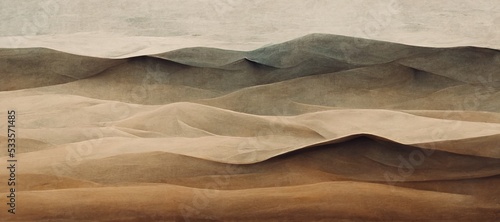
360, 159
322, 127
257, 137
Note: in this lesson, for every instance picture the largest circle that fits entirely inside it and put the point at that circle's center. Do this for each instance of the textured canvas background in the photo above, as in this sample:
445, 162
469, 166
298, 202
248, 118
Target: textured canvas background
239, 24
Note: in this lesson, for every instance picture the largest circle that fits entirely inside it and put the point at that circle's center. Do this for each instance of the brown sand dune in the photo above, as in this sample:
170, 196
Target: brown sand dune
322, 128
487, 117
29, 145
298, 169
202, 56
32, 182
303, 54
442, 76
360, 159
321, 201
466, 64
36, 67
179, 122
351, 50
382, 86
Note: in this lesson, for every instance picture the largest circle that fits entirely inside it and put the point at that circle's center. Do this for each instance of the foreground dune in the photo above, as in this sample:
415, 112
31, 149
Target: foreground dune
322, 127
320, 201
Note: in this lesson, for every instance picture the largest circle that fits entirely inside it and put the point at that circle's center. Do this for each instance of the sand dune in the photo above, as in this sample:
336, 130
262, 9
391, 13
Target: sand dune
322, 127
264, 135
36, 67
361, 159
326, 201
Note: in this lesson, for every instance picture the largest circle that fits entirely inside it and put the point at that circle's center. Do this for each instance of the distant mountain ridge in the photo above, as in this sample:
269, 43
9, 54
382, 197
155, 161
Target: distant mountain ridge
322, 53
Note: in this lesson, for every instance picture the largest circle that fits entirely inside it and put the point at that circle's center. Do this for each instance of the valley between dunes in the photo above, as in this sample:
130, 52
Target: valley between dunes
319, 128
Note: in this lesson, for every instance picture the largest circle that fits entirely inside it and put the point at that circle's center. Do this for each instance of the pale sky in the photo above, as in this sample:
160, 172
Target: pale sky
241, 24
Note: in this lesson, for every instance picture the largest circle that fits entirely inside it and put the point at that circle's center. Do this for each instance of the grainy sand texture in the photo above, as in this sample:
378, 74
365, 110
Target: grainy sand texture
194, 122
